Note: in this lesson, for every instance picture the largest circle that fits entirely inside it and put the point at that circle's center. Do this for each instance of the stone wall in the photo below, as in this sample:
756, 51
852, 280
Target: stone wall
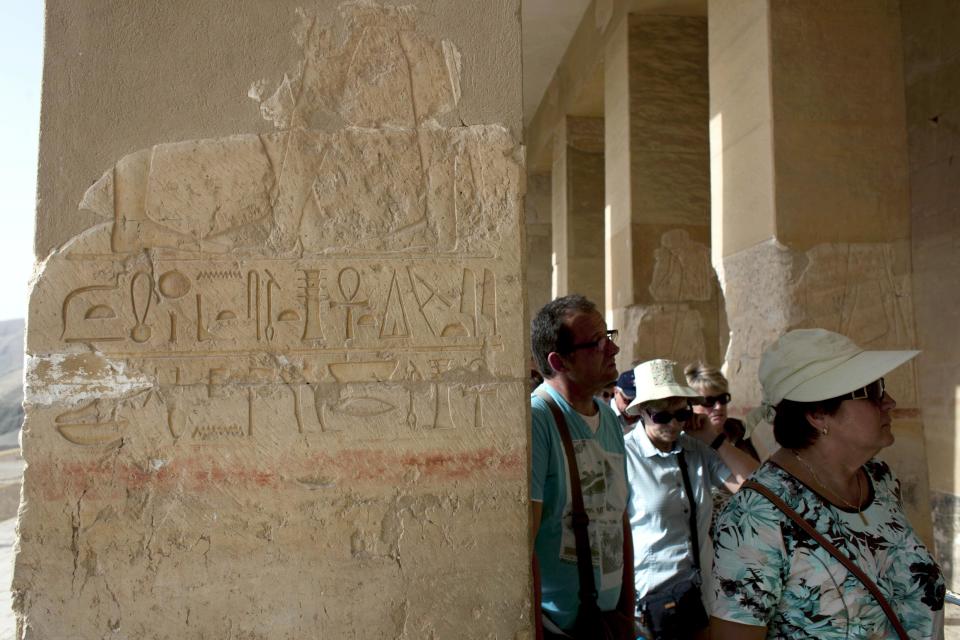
276, 372
931, 37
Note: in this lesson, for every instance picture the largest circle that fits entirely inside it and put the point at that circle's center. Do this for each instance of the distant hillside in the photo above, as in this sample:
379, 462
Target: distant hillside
11, 380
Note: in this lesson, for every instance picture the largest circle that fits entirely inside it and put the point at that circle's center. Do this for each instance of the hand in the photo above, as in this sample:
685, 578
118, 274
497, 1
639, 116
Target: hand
700, 427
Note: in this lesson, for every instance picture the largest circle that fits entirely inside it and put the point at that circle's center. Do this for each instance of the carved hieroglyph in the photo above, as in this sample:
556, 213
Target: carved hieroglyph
263, 317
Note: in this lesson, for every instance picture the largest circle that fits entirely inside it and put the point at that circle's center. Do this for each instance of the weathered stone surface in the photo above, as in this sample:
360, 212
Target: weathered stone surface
931, 36
681, 269
860, 290
280, 391
945, 508
675, 329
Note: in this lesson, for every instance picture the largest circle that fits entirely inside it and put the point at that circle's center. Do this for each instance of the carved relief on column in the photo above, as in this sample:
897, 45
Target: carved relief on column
262, 315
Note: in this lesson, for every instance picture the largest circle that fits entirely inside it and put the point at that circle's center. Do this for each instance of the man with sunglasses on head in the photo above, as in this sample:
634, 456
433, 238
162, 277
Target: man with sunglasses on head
576, 352
674, 458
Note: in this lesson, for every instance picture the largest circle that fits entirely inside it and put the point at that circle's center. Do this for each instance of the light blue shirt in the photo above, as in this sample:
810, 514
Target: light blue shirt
659, 510
600, 459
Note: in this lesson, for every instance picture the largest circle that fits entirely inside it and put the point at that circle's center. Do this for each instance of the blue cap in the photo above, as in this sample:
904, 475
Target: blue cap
626, 385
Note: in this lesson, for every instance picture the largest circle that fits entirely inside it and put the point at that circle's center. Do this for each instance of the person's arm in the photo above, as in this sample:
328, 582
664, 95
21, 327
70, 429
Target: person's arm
628, 591
536, 512
726, 630
739, 462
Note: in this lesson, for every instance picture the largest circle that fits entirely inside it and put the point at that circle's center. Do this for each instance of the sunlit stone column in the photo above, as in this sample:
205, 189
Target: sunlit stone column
578, 208
276, 373
662, 292
811, 193
539, 230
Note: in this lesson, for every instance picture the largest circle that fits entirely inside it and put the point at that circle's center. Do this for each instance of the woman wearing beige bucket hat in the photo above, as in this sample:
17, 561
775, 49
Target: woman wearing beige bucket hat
816, 543
674, 459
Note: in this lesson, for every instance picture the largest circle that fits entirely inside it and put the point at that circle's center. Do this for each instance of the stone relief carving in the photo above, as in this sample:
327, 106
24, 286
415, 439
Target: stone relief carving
682, 269
305, 280
860, 290
673, 329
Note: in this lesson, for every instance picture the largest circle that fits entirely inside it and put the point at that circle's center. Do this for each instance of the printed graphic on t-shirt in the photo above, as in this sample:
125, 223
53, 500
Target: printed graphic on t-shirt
604, 487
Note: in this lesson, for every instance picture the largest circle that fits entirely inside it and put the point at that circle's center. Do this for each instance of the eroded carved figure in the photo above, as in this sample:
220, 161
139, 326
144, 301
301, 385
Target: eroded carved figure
323, 278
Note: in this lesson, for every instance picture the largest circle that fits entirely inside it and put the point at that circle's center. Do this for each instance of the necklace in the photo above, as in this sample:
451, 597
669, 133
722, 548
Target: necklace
819, 482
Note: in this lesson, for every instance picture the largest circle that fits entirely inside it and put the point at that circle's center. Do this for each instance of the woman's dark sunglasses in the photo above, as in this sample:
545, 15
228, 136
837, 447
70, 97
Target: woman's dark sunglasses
665, 417
872, 392
709, 401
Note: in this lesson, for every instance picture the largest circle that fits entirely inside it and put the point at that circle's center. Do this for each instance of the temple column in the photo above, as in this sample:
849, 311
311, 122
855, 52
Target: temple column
661, 290
811, 221
578, 208
276, 380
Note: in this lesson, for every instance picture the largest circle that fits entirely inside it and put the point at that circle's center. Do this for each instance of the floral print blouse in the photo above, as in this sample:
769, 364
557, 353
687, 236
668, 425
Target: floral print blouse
768, 572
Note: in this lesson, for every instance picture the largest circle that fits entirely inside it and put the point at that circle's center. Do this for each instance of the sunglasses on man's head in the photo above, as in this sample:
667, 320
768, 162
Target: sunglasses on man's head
666, 417
872, 392
710, 401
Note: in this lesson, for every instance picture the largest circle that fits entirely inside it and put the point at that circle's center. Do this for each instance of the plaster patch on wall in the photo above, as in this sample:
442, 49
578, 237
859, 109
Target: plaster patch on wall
59, 379
682, 270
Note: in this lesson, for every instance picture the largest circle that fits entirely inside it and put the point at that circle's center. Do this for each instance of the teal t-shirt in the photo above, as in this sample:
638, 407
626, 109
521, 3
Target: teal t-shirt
602, 462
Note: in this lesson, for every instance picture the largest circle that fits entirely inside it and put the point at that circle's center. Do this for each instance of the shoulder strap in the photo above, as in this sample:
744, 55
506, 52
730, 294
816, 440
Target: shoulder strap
834, 551
580, 520
694, 535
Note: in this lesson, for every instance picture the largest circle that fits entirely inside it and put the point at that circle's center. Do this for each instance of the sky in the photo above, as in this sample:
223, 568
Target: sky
21, 57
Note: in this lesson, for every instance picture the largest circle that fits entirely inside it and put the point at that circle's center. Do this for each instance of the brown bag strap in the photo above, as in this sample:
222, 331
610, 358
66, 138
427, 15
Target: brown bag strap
580, 520
834, 551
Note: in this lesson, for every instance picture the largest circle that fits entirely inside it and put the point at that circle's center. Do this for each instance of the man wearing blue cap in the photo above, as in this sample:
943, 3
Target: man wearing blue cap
624, 391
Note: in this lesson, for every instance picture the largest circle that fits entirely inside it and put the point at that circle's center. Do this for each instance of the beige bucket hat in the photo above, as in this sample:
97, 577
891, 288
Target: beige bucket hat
807, 365
658, 379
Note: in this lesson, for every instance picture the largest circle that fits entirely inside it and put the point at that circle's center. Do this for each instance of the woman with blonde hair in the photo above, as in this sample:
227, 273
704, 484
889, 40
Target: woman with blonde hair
714, 391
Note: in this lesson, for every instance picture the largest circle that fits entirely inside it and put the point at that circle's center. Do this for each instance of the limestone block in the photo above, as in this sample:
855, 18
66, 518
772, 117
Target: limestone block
280, 391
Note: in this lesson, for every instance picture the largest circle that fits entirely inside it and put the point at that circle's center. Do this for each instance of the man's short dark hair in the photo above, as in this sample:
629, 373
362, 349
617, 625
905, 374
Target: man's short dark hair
792, 430
548, 331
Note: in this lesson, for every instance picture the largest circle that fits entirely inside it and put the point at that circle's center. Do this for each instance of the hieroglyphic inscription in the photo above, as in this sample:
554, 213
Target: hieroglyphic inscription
359, 338
304, 280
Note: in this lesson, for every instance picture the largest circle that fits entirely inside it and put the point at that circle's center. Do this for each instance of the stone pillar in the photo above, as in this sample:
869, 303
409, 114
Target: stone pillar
810, 192
276, 374
931, 41
539, 230
578, 247
662, 291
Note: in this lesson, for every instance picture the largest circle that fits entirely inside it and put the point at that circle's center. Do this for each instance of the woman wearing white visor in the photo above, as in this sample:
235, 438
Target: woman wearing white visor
816, 543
